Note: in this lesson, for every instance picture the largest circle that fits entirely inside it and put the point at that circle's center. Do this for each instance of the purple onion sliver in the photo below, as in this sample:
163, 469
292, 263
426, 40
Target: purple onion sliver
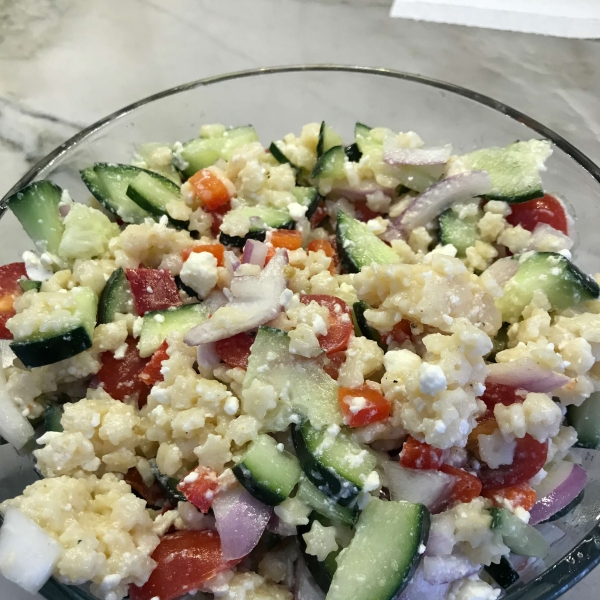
526, 374
305, 587
361, 191
419, 589
446, 569
241, 520
64, 209
441, 195
394, 155
255, 253
208, 358
232, 262
559, 497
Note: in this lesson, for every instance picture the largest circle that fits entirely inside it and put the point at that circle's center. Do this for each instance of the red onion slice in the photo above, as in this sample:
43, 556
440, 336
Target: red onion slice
560, 496
526, 374
446, 569
430, 488
503, 269
393, 154
305, 587
208, 359
276, 525
232, 262
441, 535
255, 301
215, 300
360, 191
64, 209
436, 199
420, 589
241, 520
255, 253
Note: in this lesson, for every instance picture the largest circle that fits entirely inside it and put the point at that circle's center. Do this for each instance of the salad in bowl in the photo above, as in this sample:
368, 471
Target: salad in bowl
308, 370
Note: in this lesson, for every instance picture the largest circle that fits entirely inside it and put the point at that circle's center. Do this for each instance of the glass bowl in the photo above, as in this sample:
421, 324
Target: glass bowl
280, 100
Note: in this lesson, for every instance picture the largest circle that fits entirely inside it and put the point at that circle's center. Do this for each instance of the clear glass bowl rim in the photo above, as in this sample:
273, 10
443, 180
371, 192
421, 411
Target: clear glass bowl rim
572, 567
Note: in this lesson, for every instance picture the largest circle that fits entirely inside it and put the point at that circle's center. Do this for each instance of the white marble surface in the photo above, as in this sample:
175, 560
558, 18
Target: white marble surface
67, 63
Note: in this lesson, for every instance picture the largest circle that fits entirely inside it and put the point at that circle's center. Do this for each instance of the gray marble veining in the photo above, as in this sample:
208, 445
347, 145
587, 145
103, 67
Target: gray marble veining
67, 63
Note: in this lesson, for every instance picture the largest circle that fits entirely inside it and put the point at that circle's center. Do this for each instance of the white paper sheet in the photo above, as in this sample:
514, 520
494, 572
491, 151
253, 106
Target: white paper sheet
563, 18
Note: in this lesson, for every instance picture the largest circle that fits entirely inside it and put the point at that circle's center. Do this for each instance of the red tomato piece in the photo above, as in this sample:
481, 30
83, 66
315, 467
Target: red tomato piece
498, 393
152, 494
340, 322
10, 290
199, 487
217, 218
119, 377
329, 250
547, 209
362, 405
530, 457
419, 455
217, 250
151, 374
363, 212
210, 188
235, 351
185, 560
153, 289
522, 495
319, 214
467, 487
284, 238
402, 331
336, 360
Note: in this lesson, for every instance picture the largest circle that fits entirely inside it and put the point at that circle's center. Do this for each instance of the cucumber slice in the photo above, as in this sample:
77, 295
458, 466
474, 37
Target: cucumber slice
521, 538
503, 573
146, 152
279, 156
168, 484
362, 138
383, 554
301, 382
338, 467
261, 218
48, 347
499, 343
319, 502
153, 192
203, 152
268, 473
52, 418
309, 197
157, 325
331, 164
562, 282
328, 138
36, 207
322, 571
586, 420
28, 284
461, 233
514, 170
358, 310
108, 183
116, 297
358, 246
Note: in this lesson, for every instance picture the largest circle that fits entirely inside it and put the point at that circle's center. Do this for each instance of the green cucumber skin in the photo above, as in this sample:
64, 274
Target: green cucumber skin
366, 330
237, 241
503, 573
320, 503
260, 492
323, 163
326, 480
279, 156
52, 418
29, 284
521, 538
37, 353
353, 152
142, 202
168, 484
586, 421
107, 304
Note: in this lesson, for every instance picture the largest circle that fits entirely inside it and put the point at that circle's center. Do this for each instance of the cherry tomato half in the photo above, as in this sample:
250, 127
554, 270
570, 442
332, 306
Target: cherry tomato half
539, 210
235, 351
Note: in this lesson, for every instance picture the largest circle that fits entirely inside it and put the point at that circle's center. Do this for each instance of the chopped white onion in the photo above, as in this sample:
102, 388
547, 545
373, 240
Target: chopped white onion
436, 199
27, 553
430, 488
445, 569
503, 269
255, 253
14, 427
420, 589
255, 301
526, 374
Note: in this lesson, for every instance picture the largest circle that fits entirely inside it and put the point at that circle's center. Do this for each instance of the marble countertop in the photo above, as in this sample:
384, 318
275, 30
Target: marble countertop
66, 63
